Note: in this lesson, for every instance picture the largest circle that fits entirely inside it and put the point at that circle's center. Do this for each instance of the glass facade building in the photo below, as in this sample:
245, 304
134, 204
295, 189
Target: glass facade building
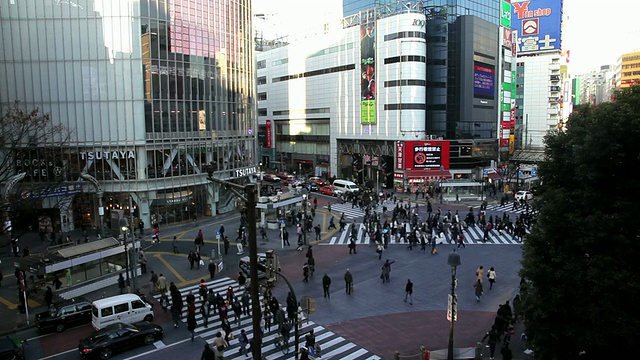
154, 93
485, 9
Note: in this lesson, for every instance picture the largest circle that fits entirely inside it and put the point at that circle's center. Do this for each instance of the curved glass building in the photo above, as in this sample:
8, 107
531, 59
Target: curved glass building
154, 92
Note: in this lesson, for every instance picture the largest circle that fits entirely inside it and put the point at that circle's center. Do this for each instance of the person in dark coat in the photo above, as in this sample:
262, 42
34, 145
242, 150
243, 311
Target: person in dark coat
212, 268
207, 353
191, 319
48, 296
326, 283
121, 283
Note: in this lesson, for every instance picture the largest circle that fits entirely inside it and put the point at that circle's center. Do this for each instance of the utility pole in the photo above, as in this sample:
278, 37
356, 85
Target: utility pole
249, 198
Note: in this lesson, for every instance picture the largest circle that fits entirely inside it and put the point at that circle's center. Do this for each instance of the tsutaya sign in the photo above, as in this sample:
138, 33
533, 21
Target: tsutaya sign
246, 171
107, 155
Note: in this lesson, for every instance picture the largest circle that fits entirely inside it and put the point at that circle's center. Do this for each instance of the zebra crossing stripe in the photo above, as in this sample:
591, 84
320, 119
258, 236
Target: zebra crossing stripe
332, 345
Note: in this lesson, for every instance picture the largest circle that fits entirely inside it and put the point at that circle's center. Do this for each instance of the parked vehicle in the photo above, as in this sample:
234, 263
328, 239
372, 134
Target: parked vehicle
118, 337
65, 314
128, 308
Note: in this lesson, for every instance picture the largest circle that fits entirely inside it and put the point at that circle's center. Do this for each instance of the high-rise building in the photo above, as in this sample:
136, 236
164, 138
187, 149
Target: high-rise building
628, 70
538, 95
349, 103
155, 93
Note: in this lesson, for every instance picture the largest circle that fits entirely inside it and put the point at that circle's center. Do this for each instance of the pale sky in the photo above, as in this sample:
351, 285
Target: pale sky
596, 32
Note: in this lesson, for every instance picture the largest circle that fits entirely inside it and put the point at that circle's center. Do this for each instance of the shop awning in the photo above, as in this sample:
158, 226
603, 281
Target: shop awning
429, 174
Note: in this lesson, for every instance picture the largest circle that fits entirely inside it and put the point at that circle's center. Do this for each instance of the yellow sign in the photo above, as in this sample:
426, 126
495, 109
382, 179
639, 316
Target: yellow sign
368, 112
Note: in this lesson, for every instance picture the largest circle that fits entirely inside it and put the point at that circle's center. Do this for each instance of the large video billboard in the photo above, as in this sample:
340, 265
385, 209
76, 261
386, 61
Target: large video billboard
538, 25
484, 78
426, 155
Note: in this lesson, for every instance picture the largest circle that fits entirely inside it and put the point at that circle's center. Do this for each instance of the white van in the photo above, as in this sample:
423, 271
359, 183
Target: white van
127, 308
346, 186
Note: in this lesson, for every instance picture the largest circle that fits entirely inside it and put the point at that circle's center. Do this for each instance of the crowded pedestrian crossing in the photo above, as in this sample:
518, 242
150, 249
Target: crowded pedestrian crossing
332, 345
472, 235
351, 212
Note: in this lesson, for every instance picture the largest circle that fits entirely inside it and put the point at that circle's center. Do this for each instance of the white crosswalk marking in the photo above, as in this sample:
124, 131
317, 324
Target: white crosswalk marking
507, 208
332, 345
355, 212
472, 235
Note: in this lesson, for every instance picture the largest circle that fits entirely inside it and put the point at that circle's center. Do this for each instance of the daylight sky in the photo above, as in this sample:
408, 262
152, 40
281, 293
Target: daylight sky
596, 32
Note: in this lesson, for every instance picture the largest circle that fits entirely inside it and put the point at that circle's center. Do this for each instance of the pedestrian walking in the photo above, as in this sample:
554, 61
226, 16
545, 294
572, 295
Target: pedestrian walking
266, 314
461, 240
207, 353
478, 290
305, 272
408, 292
174, 243
348, 282
220, 344
480, 273
312, 265
212, 269
386, 271
243, 341
204, 312
161, 283
318, 231
142, 260
352, 246
192, 259
191, 319
120, 283
326, 284
48, 296
494, 337
379, 250
199, 241
491, 275
226, 245
198, 260
246, 300
153, 282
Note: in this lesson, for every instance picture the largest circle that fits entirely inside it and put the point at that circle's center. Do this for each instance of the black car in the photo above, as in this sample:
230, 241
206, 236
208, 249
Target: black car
65, 314
118, 337
11, 349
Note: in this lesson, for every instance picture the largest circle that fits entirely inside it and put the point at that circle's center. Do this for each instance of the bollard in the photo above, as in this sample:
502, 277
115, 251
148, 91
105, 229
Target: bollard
396, 355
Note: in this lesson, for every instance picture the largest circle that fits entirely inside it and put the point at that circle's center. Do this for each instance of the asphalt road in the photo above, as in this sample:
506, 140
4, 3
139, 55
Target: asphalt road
371, 323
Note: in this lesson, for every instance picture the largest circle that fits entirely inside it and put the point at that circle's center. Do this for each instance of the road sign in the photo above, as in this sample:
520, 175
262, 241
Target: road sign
452, 307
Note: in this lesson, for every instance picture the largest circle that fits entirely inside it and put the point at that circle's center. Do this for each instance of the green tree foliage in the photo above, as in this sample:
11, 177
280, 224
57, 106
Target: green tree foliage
581, 262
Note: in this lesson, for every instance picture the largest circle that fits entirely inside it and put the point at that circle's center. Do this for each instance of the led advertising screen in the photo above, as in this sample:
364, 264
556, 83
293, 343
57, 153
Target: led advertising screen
426, 155
537, 24
367, 73
484, 78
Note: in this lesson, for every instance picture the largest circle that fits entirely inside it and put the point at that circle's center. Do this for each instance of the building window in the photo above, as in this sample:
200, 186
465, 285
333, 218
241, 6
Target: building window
262, 112
262, 80
262, 64
262, 96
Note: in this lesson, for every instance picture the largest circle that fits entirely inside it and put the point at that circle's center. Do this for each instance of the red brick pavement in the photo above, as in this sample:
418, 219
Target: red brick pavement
406, 332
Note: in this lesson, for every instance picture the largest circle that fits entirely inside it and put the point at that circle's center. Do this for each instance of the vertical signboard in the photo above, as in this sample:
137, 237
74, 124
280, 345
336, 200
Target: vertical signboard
368, 71
399, 155
538, 25
427, 155
505, 14
268, 134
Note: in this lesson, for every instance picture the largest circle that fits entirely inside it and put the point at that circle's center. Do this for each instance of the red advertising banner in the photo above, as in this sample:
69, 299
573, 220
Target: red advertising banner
504, 143
507, 38
399, 155
427, 155
269, 134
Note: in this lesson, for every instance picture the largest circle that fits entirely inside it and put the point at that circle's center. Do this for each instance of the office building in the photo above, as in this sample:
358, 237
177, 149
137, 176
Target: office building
153, 92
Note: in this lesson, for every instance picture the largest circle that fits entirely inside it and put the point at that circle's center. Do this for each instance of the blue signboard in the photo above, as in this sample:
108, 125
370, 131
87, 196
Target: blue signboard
538, 25
58, 190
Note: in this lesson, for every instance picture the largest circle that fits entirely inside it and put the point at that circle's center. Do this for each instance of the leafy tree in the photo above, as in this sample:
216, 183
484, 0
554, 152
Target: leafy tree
29, 143
581, 261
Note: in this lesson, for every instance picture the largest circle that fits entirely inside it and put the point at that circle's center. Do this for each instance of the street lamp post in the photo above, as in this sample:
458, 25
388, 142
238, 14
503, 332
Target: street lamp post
304, 218
454, 261
124, 227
